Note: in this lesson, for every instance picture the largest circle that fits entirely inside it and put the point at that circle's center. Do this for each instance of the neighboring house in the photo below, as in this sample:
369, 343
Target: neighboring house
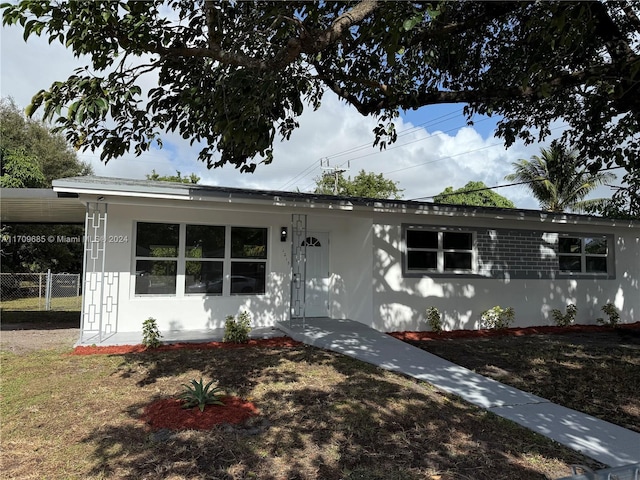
189, 255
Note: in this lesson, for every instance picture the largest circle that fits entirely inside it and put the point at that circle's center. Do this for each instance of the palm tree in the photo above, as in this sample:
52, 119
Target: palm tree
558, 181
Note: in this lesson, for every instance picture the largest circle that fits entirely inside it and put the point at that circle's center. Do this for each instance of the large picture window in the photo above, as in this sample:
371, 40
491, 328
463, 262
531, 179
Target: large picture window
212, 259
583, 254
439, 251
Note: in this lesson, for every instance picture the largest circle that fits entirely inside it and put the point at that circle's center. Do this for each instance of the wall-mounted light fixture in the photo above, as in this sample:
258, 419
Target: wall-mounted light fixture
283, 234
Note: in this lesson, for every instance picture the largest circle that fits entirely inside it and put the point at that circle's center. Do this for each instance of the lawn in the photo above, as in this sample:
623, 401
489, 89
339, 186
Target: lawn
596, 373
323, 416
70, 303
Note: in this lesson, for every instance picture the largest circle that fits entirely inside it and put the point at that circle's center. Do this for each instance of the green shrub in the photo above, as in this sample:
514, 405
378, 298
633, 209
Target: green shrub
498, 317
151, 333
200, 395
237, 331
434, 319
612, 312
565, 319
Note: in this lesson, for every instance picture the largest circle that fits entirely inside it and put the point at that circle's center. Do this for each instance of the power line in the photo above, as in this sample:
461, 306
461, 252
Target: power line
498, 186
409, 143
431, 122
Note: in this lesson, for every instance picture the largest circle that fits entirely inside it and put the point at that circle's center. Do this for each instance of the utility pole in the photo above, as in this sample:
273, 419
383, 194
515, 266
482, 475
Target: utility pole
334, 172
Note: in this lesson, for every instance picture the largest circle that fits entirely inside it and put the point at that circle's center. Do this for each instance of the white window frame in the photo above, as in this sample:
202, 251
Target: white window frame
440, 251
182, 260
176, 260
583, 254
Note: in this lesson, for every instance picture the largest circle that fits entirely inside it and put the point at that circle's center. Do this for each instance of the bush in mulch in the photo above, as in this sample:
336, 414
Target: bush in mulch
122, 349
419, 336
168, 413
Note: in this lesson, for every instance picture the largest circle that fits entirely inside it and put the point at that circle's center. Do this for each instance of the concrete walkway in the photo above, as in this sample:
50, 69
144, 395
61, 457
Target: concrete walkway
605, 442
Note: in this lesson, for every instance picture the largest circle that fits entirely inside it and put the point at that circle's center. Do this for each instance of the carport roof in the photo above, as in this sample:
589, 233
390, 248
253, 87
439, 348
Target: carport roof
39, 205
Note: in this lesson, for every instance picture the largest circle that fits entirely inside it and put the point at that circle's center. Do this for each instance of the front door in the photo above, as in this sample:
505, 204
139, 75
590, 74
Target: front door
317, 285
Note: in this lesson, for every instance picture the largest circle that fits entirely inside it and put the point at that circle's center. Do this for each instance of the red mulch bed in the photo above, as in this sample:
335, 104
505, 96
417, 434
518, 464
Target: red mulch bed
167, 413
516, 332
122, 349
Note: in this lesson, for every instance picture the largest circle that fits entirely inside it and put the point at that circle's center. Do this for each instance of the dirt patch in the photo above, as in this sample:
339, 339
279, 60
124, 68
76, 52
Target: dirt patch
21, 338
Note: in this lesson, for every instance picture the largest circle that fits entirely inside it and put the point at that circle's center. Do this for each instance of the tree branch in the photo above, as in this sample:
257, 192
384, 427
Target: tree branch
304, 43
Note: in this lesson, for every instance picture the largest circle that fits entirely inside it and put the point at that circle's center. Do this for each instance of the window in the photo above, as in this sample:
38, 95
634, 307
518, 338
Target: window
156, 258
204, 266
248, 259
212, 259
439, 251
583, 254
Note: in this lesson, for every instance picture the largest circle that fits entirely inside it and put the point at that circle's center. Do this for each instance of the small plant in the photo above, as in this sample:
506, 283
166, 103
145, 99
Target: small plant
612, 312
434, 319
498, 317
237, 331
151, 333
565, 319
200, 395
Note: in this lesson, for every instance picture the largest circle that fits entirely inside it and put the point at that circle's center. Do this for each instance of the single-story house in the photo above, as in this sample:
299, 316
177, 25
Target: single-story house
190, 255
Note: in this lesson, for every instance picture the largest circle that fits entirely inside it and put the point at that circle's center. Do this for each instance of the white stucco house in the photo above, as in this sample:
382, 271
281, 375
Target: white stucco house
189, 255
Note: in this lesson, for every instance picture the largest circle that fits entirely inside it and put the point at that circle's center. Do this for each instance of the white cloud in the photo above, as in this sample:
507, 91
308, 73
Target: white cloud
422, 162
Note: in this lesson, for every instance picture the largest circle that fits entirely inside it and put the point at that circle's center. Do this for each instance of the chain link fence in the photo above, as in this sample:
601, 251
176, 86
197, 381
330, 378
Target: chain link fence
40, 291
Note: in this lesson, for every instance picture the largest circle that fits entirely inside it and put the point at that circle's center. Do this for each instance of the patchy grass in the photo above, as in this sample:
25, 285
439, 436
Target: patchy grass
323, 416
73, 303
593, 372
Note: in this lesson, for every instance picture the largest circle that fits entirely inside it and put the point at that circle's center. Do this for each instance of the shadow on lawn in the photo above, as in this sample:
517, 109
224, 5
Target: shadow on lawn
330, 417
596, 373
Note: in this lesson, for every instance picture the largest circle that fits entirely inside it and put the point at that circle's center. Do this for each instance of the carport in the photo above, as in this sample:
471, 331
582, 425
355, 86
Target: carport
36, 206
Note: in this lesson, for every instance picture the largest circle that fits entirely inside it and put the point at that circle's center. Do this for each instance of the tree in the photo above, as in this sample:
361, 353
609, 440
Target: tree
364, 185
31, 157
192, 179
232, 76
20, 170
557, 180
29, 148
473, 193
624, 203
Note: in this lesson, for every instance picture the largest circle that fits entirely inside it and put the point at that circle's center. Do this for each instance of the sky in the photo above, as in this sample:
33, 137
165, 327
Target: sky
435, 147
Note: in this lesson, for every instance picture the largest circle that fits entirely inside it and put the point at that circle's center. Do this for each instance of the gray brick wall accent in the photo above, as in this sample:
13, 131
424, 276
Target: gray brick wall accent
517, 253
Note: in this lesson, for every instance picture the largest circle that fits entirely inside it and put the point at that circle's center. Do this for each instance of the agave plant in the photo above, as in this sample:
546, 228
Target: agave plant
201, 395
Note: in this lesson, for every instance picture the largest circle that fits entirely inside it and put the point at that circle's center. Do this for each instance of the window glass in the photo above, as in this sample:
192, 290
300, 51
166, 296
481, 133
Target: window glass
596, 245
569, 245
421, 260
157, 240
422, 239
457, 241
569, 264
596, 264
457, 261
248, 277
155, 277
203, 277
248, 242
205, 241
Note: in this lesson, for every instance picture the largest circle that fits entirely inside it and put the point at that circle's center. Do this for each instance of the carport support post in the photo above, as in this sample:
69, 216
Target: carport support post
47, 292
93, 269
